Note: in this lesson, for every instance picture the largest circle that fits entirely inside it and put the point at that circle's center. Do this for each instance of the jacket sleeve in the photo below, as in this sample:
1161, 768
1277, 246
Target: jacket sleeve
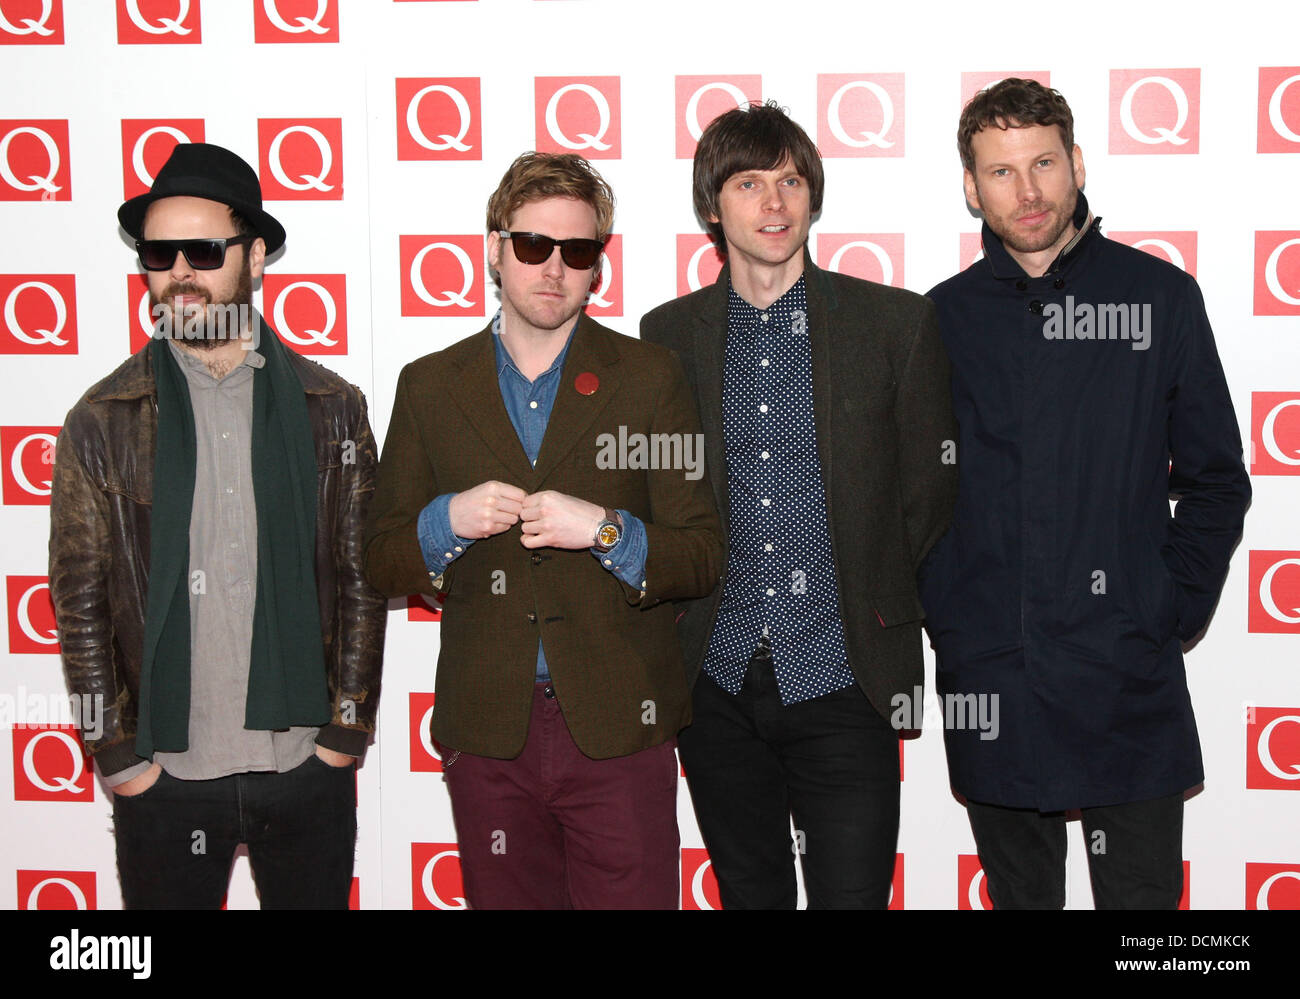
1207, 472
683, 531
927, 437
362, 611
404, 486
80, 563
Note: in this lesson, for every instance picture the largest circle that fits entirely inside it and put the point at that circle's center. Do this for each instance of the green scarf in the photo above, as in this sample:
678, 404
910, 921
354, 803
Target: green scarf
286, 681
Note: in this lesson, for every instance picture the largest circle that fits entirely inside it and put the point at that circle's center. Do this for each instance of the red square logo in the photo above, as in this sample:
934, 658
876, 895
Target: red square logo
31, 616
970, 249
31, 22
435, 877
39, 314
606, 299
439, 119
1277, 273
972, 888
442, 275
860, 114
146, 145
295, 21
1179, 248
1279, 109
27, 454
426, 755
1273, 749
579, 114
871, 256
1275, 433
158, 22
698, 263
139, 321
309, 311
1155, 111
34, 160
700, 99
300, 159
1273, 886
420, 607
50, 764
1274, 592
699, 883
973, 83
56, 889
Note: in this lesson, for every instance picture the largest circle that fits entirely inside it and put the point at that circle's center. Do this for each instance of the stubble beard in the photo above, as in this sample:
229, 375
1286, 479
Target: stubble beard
221, 321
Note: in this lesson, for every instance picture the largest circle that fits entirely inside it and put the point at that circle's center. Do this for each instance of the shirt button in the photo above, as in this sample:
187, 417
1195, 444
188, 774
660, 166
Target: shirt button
225, 435
766, 501
229, 490
533, 404
767, 547
765, 455
608, 562
764, 317
459, 548
532, 617
764, 362
537, 559
771, 592
763, 408
446, 555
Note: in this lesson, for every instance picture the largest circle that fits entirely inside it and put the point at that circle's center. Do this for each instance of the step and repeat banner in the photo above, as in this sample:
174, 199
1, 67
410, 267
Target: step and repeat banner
379, 128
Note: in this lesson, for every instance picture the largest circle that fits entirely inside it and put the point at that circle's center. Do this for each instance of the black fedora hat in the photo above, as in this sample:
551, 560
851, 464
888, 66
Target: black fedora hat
202, 170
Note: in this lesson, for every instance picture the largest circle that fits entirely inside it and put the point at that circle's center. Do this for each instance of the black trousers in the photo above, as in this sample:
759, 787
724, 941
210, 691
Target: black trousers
831, 762
1135, 854
176, 841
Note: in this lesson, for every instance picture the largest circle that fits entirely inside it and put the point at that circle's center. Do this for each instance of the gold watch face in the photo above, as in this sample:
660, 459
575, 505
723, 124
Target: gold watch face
608, 535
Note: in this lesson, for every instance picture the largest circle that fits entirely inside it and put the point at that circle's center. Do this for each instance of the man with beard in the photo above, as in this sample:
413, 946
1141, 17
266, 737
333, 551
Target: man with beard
1088, 392
207, 508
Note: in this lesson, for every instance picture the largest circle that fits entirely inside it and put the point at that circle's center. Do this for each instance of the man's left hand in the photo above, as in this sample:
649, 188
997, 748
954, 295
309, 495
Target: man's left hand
554, 520
334, 759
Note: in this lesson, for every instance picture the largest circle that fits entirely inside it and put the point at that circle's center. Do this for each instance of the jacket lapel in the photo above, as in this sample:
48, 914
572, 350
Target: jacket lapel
709, 348
822, 315
478, 393
591, 352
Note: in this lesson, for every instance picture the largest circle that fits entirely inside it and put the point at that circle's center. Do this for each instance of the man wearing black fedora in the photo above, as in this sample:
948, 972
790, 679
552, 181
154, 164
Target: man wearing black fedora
207, 509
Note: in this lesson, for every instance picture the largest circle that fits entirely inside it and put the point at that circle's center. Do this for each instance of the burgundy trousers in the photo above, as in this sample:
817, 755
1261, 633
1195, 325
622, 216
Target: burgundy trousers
555, 829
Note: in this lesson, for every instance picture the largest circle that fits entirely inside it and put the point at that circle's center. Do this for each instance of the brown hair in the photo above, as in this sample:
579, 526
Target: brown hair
757, 137
1012, 103
534, 176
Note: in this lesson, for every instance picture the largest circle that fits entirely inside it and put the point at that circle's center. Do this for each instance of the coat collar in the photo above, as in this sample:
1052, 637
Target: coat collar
477, 392
1003, 265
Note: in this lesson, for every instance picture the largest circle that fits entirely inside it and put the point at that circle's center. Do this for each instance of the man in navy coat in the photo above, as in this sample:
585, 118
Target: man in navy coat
1088, 392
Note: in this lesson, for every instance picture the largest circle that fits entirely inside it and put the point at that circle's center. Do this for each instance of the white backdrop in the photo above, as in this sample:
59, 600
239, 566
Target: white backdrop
1200, 162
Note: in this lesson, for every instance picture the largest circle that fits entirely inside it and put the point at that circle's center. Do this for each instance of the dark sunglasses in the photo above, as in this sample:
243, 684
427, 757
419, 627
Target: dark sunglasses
203, 254
534, 248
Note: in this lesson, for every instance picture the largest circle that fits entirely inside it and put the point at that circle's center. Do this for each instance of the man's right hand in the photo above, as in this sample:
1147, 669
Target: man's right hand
139, 784
489, 508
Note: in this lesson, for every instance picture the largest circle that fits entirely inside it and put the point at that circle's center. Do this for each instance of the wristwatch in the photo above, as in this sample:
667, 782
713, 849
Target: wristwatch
609, 531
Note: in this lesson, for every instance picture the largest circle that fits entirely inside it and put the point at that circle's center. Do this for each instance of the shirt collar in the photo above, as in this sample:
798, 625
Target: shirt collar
504, 360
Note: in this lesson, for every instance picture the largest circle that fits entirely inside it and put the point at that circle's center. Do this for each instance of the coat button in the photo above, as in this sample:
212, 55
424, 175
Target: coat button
1058, 284
532, 617
1036, 307
537, 559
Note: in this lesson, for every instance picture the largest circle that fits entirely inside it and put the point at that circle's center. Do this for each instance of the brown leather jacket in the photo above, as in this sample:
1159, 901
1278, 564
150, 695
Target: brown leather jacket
100, 509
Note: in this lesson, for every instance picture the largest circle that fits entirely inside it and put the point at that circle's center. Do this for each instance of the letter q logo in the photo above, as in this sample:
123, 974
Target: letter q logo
698, 262
31, 22
301, 159
1275, 433
146, 145
439, 119
579, 114
871, 256
51, 765
1155, 111
158, 22
1273, 886
860, 115
295, 21
426, 755
1277, 273
1273, 749
700, 99
34, 160
436, 881
31, 616
442, 275
972, 887
1279, 110
309, 311
27, 456
1274, 592
66, 890
38, 314
699, 883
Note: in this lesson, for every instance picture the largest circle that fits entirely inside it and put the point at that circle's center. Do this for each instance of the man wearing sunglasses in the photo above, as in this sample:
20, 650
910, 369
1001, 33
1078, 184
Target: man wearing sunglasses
830, 397
207, 508
560, 686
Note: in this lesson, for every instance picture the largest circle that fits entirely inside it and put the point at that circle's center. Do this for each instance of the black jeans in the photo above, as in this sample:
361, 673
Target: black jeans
1135, 854
831, 762
176, 841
